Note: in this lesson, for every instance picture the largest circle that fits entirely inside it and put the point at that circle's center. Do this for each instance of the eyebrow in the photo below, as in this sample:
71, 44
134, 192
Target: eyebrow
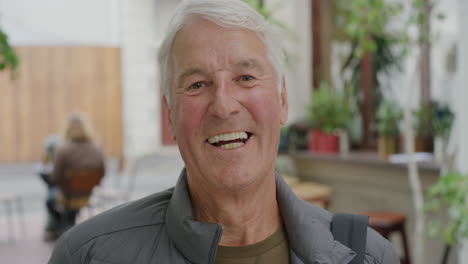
249, 64
242, 64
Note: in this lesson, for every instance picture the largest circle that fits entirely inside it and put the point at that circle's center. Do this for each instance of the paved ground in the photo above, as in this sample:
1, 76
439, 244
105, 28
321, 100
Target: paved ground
23, 243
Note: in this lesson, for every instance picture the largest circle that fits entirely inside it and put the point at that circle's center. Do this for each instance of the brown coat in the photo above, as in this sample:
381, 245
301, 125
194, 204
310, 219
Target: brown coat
77, 155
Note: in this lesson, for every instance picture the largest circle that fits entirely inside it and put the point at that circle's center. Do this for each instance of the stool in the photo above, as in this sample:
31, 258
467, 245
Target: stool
389, 222
9, 201
314, 193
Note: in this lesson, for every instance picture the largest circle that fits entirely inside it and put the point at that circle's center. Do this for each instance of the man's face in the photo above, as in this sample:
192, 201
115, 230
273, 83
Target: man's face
225, 109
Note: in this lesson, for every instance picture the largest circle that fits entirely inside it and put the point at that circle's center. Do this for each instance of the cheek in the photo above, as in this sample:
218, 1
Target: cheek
187, 118
264, 107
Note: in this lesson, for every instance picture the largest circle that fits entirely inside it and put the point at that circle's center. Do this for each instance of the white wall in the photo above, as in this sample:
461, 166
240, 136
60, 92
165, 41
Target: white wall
462, 89
140, 85
61, 22
444, 34
462, 113
296, 15
462, 106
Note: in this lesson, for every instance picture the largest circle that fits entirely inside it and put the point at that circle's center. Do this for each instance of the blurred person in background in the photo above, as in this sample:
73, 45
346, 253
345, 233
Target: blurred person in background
45, 169
77, 151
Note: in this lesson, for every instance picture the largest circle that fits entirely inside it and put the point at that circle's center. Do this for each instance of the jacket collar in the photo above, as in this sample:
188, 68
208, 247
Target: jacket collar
197, 241
307, 227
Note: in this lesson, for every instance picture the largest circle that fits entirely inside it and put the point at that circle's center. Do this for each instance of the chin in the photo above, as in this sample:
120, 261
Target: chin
235, 179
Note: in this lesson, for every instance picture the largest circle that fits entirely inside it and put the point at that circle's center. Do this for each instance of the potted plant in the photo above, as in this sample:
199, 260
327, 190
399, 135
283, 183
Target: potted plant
423, 140
388, 115
442, 119
449, 194
328, 114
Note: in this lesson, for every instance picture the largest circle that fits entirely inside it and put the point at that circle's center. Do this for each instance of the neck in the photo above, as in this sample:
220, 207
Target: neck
248, 216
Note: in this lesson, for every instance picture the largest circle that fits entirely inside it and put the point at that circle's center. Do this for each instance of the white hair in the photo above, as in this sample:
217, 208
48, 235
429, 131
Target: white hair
227, 13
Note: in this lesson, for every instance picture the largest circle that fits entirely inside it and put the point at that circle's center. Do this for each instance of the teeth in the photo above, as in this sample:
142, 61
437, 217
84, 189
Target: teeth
227, 137
232, 145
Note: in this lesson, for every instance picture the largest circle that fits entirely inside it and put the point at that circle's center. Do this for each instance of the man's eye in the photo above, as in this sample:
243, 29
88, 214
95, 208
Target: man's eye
246, 78
196, 86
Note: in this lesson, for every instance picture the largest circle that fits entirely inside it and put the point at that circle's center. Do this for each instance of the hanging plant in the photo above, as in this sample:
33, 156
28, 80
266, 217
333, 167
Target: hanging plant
8, 58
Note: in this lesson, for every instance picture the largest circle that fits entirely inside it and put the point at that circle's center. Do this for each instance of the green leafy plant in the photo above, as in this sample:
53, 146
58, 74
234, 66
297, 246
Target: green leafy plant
363, 25
449, 193
388, 115
442, 119
329, 110
362, 20
8, 58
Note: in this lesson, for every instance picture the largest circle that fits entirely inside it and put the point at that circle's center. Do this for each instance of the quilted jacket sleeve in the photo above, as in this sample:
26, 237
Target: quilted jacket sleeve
61, 253
379, 250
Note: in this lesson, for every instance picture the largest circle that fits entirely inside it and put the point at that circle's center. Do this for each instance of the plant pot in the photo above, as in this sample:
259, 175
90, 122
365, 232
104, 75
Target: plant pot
421, 144
320, 142
387, 145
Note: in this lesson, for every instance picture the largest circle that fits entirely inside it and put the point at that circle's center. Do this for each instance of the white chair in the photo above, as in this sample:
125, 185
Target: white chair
14, 201
105, 197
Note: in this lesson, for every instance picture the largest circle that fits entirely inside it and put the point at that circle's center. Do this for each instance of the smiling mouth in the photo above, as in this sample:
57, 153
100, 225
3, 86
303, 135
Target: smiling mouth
230, 140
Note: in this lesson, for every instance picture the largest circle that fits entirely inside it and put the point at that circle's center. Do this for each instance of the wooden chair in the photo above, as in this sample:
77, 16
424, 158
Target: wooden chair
80, 182
387, 223
77, 189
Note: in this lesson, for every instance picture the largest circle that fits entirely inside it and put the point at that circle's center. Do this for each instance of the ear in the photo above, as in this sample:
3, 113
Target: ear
283, 103
168, 110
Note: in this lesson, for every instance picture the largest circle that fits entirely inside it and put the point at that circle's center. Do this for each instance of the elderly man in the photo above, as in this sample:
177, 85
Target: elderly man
225, 97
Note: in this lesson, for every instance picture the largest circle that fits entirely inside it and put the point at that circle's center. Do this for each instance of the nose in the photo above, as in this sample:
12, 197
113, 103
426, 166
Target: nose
224, 102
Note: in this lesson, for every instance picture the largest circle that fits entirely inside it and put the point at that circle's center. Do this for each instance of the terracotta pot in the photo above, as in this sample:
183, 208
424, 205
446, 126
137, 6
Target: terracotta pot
320, 142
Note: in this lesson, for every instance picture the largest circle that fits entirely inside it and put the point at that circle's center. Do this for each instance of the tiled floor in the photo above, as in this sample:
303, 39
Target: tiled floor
27, 246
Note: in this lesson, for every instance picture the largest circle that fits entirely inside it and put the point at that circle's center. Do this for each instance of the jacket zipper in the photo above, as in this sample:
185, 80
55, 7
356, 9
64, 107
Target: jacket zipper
219, 232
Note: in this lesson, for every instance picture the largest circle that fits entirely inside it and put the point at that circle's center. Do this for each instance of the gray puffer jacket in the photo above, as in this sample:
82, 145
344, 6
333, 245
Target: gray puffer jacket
160, 229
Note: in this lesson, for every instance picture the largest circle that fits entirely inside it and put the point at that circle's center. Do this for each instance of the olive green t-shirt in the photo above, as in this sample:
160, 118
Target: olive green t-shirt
273, 250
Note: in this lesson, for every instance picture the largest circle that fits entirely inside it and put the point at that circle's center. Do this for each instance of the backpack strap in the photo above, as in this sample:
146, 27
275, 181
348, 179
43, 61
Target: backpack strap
351, 231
